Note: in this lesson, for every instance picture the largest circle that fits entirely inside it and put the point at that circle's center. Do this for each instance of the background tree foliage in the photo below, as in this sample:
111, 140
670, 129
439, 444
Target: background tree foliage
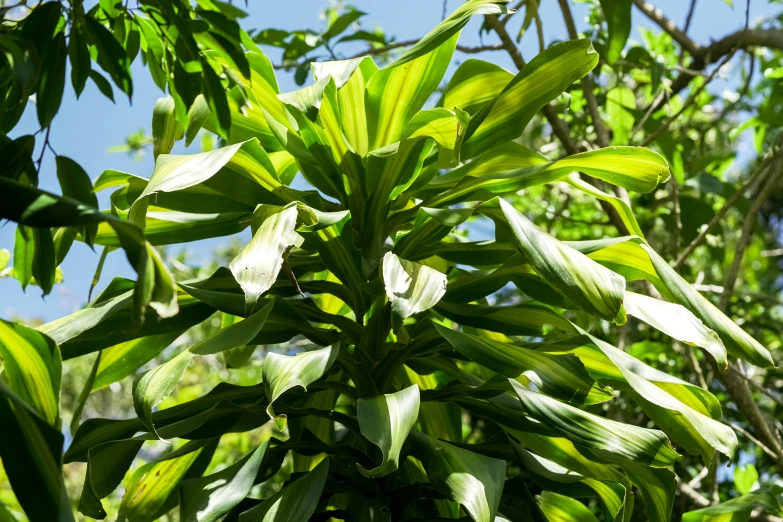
428, 349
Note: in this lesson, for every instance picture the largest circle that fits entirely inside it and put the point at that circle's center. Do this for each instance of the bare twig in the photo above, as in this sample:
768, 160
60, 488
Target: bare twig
730, 202
696, 498
704, 56
657, 16
689, 18
694, 96
747, 227
601, 132
751, 438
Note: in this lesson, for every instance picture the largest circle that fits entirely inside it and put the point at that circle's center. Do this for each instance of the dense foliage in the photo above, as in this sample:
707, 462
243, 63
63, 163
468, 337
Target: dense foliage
559, 368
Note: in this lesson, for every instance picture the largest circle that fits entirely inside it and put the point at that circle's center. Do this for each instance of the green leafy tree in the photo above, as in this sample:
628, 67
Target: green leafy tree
415, 373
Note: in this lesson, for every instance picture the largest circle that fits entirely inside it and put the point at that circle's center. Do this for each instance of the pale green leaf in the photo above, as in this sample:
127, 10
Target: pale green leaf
539, 82
283, 372
559, 508
386, 421
738, 342
257, 266
746, 478
411, 287
394, 94
675, 321
620, 106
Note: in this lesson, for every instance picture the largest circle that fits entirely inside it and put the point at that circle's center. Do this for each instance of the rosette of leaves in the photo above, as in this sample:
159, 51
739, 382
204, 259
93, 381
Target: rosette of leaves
413, 396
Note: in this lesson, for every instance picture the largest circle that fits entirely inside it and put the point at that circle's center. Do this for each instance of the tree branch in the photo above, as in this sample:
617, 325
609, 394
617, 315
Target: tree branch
704, 56
722, 212
657, 16
747, 228
559, 128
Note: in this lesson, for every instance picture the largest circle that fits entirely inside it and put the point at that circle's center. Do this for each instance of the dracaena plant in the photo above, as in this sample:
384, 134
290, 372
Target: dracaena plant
400, 348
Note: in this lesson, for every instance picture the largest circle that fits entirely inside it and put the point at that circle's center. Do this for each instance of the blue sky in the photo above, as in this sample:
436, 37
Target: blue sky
85, 129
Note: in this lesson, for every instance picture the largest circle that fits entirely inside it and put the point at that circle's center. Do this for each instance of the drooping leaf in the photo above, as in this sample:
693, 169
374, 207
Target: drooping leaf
52, 80
579, 279
386, 421
685, 412
31, 452
675, 321
738, 342
553, 477
562, 377
75, 183
36, 208
609, 439
152, 386
411, 287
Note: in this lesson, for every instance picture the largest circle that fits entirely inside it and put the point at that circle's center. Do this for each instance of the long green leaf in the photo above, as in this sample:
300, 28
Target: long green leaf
540, 81
152, 489
394, 94
206, 499
675, 321
32, 369
562, 377
36, 208
152, 386
738, 342
296, 502
451, 26
462, 476
559, 508
511, 167
739, 509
